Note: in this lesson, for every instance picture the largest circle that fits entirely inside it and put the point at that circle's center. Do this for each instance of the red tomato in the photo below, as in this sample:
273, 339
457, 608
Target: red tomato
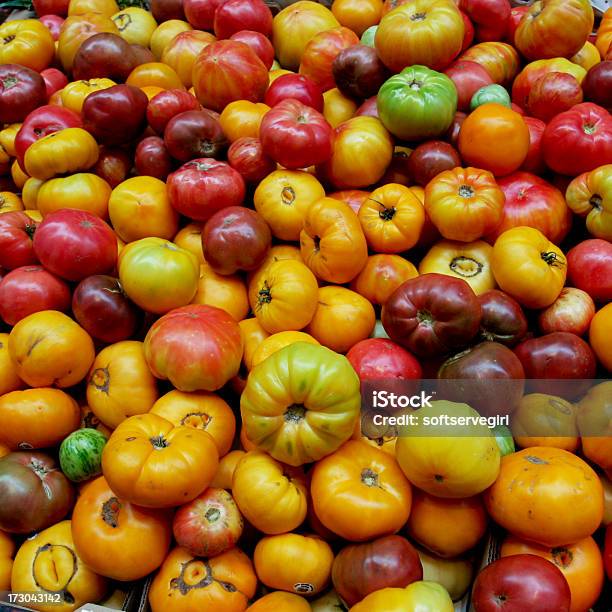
296, 86
234, 15
468, 78
534, 162
167, 104
377, 358
608, 552
54, 80
259, 43
16, 233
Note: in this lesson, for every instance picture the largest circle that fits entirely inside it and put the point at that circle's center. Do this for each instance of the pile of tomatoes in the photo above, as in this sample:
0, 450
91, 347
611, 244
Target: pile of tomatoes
219, 226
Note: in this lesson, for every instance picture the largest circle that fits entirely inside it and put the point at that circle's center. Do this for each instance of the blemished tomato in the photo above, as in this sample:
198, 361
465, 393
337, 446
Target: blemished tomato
599, 335
49, 348
201, 410
115, 538
274, 562
226, 582
529, 267
579, 562
37, 418
381, 276
49, 563
283, 199
120, 383
392, 219
286, 415
447, 527
276, 342
537, 512
153, 463
270, 495
242, 118
359, 492
464, 203
470, 261
483, 130
341, 319
139, 208
10, 202
332, 242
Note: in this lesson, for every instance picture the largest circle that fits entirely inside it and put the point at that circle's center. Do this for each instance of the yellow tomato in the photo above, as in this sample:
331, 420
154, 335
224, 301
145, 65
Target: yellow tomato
164, 33
337, 107
10, 202
155, 73
135, 25
75, 93
29, 193
190, 239
275, 342
9, 380
103, 7
253, 335
27, 42
83, 191
587, 57
18, 175
242, 119
7, 138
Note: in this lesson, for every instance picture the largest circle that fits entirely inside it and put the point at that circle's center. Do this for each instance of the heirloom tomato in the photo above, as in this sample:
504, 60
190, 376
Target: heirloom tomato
49, 348
484, 129
342, 318
242, 118
9, 381
283, 197
533, 202
135, 25
48, 563
359, 492
277, 341
157, 275
594, 425
392, 219
295, 26
253, 335
164, 33
37, 418
332, 242
115, 538
246, 156
468, 77
455, 575
120, 384
280, 601
499, 59
358, 15
154, 74
603, 40
381, 276
226, 469
271, 496
202, 410
380, 358
11, 202
80, 454
590, 195
418, 103
259, 42
571, 312
358, 72
529, 267
554, 28
289, 416
226, 582
26, 42
16, 233
599, 334
470, 261
535, 487
464, 204
183, 466
443, 462
587, 57
295, 86
166, 105
362, 150
197, 348
74, 94
190, 238
82, 191
420, 32
283, 296
581, 564
7, 552
139, 207
422, 595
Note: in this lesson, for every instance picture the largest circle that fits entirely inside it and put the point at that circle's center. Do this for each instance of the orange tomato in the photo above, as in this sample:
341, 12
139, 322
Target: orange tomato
151, 91
253, 335
534, 490
499, 59
227, 292
337, 108
9, 380
280, 601
135, 25
482, 132
447, 527
275, 556
155, 73
246, 444
49, 348
225, 471
359, 492
120, 384
332, 242
102, 7
594, 425
283, 199
164, 33
180, 53
91, 421
7, 550
392, 219
283, 296
200, 410
599, 336
279, 252
603, 41
74, 94
115, 538
37, 418
242, 118
270, 495
27, 42
580, 563
10, 201
7, 140
190, 239
83, 191
139, 207
381, 276
275, 342
358, 15
342, 318
226, 582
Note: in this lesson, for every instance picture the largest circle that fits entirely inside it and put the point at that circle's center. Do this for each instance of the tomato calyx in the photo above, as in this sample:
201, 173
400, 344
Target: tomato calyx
287, 195
596, 201
562, 556
197, 420
467, 267
110, 512
589, 128
8, 39
466, 191
159, 442
264, 295
189, 578
100, 379
10, 81
122, 21
212, 515
552, 259
294, 413
424, 316
369, 478
206, 148
418, 16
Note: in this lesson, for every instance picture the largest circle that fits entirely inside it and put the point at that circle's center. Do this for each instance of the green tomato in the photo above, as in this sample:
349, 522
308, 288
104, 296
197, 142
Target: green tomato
504, 439
367, 38
491, 94
80, 454
417, 104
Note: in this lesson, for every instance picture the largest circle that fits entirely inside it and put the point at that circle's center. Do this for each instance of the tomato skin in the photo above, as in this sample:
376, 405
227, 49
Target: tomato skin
242, 119
16, 232
422, 595
608, 552
534, 162
499, 59
26, 42
601, 324
578, 140
280, 601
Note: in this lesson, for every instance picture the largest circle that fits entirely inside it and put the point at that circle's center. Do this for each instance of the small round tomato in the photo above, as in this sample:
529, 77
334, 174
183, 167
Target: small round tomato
484, 129
242, 119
